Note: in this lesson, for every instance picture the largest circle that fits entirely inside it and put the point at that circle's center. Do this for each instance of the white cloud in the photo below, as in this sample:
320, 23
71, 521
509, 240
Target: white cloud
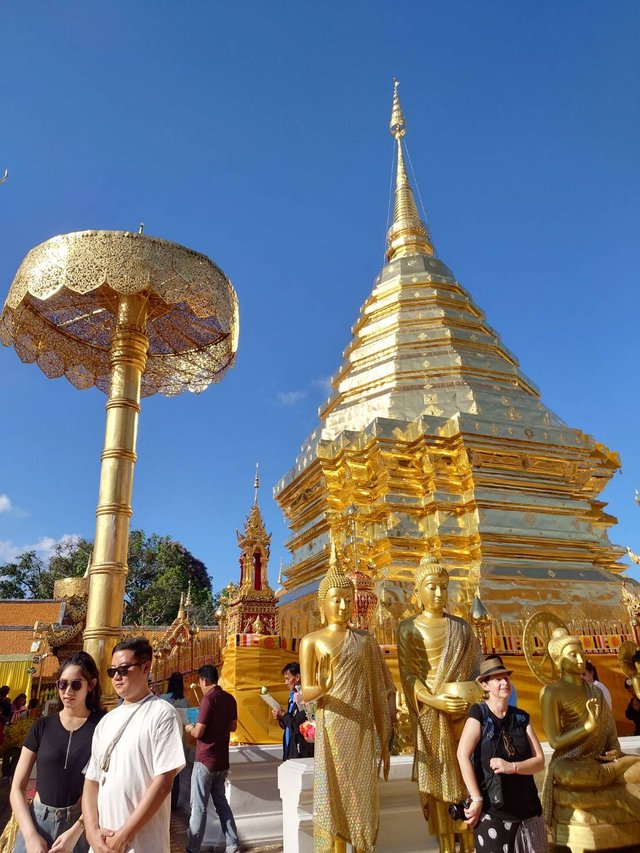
289, 398
43, 547
5, 503
324, 383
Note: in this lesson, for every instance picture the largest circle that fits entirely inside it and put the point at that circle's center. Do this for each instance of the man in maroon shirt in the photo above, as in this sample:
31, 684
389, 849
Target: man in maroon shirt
218, 717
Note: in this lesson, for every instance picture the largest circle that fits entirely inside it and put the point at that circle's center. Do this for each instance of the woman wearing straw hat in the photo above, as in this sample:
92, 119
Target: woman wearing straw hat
498, 754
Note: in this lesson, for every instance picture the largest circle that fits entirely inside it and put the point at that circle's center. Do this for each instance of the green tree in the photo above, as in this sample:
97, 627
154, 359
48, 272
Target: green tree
160, 569
28, 576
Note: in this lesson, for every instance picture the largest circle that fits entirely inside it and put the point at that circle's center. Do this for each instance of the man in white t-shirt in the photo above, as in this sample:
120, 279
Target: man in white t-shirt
136, 752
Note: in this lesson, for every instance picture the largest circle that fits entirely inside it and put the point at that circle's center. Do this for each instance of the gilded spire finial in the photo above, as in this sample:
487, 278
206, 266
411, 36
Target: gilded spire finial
397, 124
408, 234
187, 602
256, 486
4, 177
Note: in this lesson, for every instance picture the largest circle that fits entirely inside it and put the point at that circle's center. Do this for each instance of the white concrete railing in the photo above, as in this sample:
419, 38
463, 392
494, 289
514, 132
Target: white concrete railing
273, 802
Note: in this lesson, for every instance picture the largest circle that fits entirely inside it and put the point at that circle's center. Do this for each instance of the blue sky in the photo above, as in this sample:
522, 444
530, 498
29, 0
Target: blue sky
257, 133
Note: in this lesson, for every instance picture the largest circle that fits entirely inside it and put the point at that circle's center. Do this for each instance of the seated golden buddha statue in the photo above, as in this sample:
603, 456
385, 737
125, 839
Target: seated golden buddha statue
591, 792
343, 669
439, 658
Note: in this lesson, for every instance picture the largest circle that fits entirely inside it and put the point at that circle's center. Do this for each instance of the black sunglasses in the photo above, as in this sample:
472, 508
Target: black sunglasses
75, 685
122, 670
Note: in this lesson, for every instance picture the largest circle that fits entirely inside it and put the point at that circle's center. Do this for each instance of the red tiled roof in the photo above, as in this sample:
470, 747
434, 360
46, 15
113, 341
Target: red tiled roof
29, 611
17, 641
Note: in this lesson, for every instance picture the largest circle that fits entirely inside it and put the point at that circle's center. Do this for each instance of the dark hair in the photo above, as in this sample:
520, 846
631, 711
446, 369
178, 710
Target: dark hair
636, 657
140, 647
89, 670
175, 685
590, 667
33, 703
4, 691
208, 673
293, 668
20, 696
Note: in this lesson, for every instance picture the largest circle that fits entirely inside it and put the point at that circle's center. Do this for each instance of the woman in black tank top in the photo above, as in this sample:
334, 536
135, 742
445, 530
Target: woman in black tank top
61, 745
498, 753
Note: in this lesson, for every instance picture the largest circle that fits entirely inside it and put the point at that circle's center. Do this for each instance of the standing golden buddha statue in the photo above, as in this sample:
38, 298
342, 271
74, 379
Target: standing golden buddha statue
343, 669
591, 790
439, 658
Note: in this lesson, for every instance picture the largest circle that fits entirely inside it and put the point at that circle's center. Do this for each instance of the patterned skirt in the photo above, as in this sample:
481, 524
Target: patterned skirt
495, 835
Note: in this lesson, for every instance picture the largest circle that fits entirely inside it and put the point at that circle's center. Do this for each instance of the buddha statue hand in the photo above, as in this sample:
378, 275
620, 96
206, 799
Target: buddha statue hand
593, 715
325, 673
610, 755
443, 702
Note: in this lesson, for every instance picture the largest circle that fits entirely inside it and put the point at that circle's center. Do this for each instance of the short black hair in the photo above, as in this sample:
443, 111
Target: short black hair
591, 667
209, 673
4, 691
140, 646
293, 668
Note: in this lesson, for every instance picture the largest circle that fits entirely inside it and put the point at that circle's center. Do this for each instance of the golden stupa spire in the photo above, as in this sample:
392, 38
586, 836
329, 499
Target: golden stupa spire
408, 234
256, 486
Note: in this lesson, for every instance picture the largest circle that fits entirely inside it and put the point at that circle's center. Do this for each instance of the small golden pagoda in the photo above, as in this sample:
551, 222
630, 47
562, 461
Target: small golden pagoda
253, 652
252, 610
442, 445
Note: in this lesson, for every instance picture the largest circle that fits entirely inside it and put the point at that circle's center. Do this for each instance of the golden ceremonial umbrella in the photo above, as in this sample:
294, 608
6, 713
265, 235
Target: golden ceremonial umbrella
133, 315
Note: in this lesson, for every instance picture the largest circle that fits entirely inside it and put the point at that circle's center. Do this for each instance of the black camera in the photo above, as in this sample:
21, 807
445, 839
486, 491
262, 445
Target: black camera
456, 810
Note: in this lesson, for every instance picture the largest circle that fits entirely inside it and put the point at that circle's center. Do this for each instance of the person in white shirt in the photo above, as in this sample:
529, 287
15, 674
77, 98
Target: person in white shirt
135, 755
590, 675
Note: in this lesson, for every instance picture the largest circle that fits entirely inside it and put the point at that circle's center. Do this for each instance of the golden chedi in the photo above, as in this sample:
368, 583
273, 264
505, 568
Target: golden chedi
439, 658
436, 436
591, 789
343, 670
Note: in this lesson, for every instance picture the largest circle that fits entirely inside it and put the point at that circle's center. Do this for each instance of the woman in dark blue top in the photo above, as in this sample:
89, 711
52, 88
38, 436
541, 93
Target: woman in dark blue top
498, 754
61, 745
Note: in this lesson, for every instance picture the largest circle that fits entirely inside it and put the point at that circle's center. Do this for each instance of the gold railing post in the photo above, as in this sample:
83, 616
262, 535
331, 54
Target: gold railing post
108, 573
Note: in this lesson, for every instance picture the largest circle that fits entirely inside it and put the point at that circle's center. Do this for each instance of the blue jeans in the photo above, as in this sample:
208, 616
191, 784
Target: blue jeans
50, 823
203, 783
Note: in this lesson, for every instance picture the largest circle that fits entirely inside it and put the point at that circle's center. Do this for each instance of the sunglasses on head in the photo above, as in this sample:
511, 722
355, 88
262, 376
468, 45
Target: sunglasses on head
75, 685
122, 670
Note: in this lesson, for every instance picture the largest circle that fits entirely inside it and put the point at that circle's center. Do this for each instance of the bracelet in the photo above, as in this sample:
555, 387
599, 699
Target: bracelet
477, 799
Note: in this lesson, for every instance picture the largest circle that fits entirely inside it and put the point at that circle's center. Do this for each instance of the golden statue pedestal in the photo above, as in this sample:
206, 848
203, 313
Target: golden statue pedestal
605, 819
257, 663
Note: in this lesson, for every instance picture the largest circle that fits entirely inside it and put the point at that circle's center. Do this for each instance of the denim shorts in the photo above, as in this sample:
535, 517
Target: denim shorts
50, 823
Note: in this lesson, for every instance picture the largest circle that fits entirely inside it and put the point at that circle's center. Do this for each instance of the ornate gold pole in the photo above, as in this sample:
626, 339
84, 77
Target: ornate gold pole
108, 573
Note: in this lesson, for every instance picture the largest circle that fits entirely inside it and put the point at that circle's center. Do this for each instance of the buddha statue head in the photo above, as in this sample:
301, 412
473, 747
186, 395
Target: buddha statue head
431, 585
567, 652
336, 594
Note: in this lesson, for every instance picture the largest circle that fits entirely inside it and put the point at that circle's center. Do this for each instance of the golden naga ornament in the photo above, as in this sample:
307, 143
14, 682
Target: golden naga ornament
133, 315
591, 788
